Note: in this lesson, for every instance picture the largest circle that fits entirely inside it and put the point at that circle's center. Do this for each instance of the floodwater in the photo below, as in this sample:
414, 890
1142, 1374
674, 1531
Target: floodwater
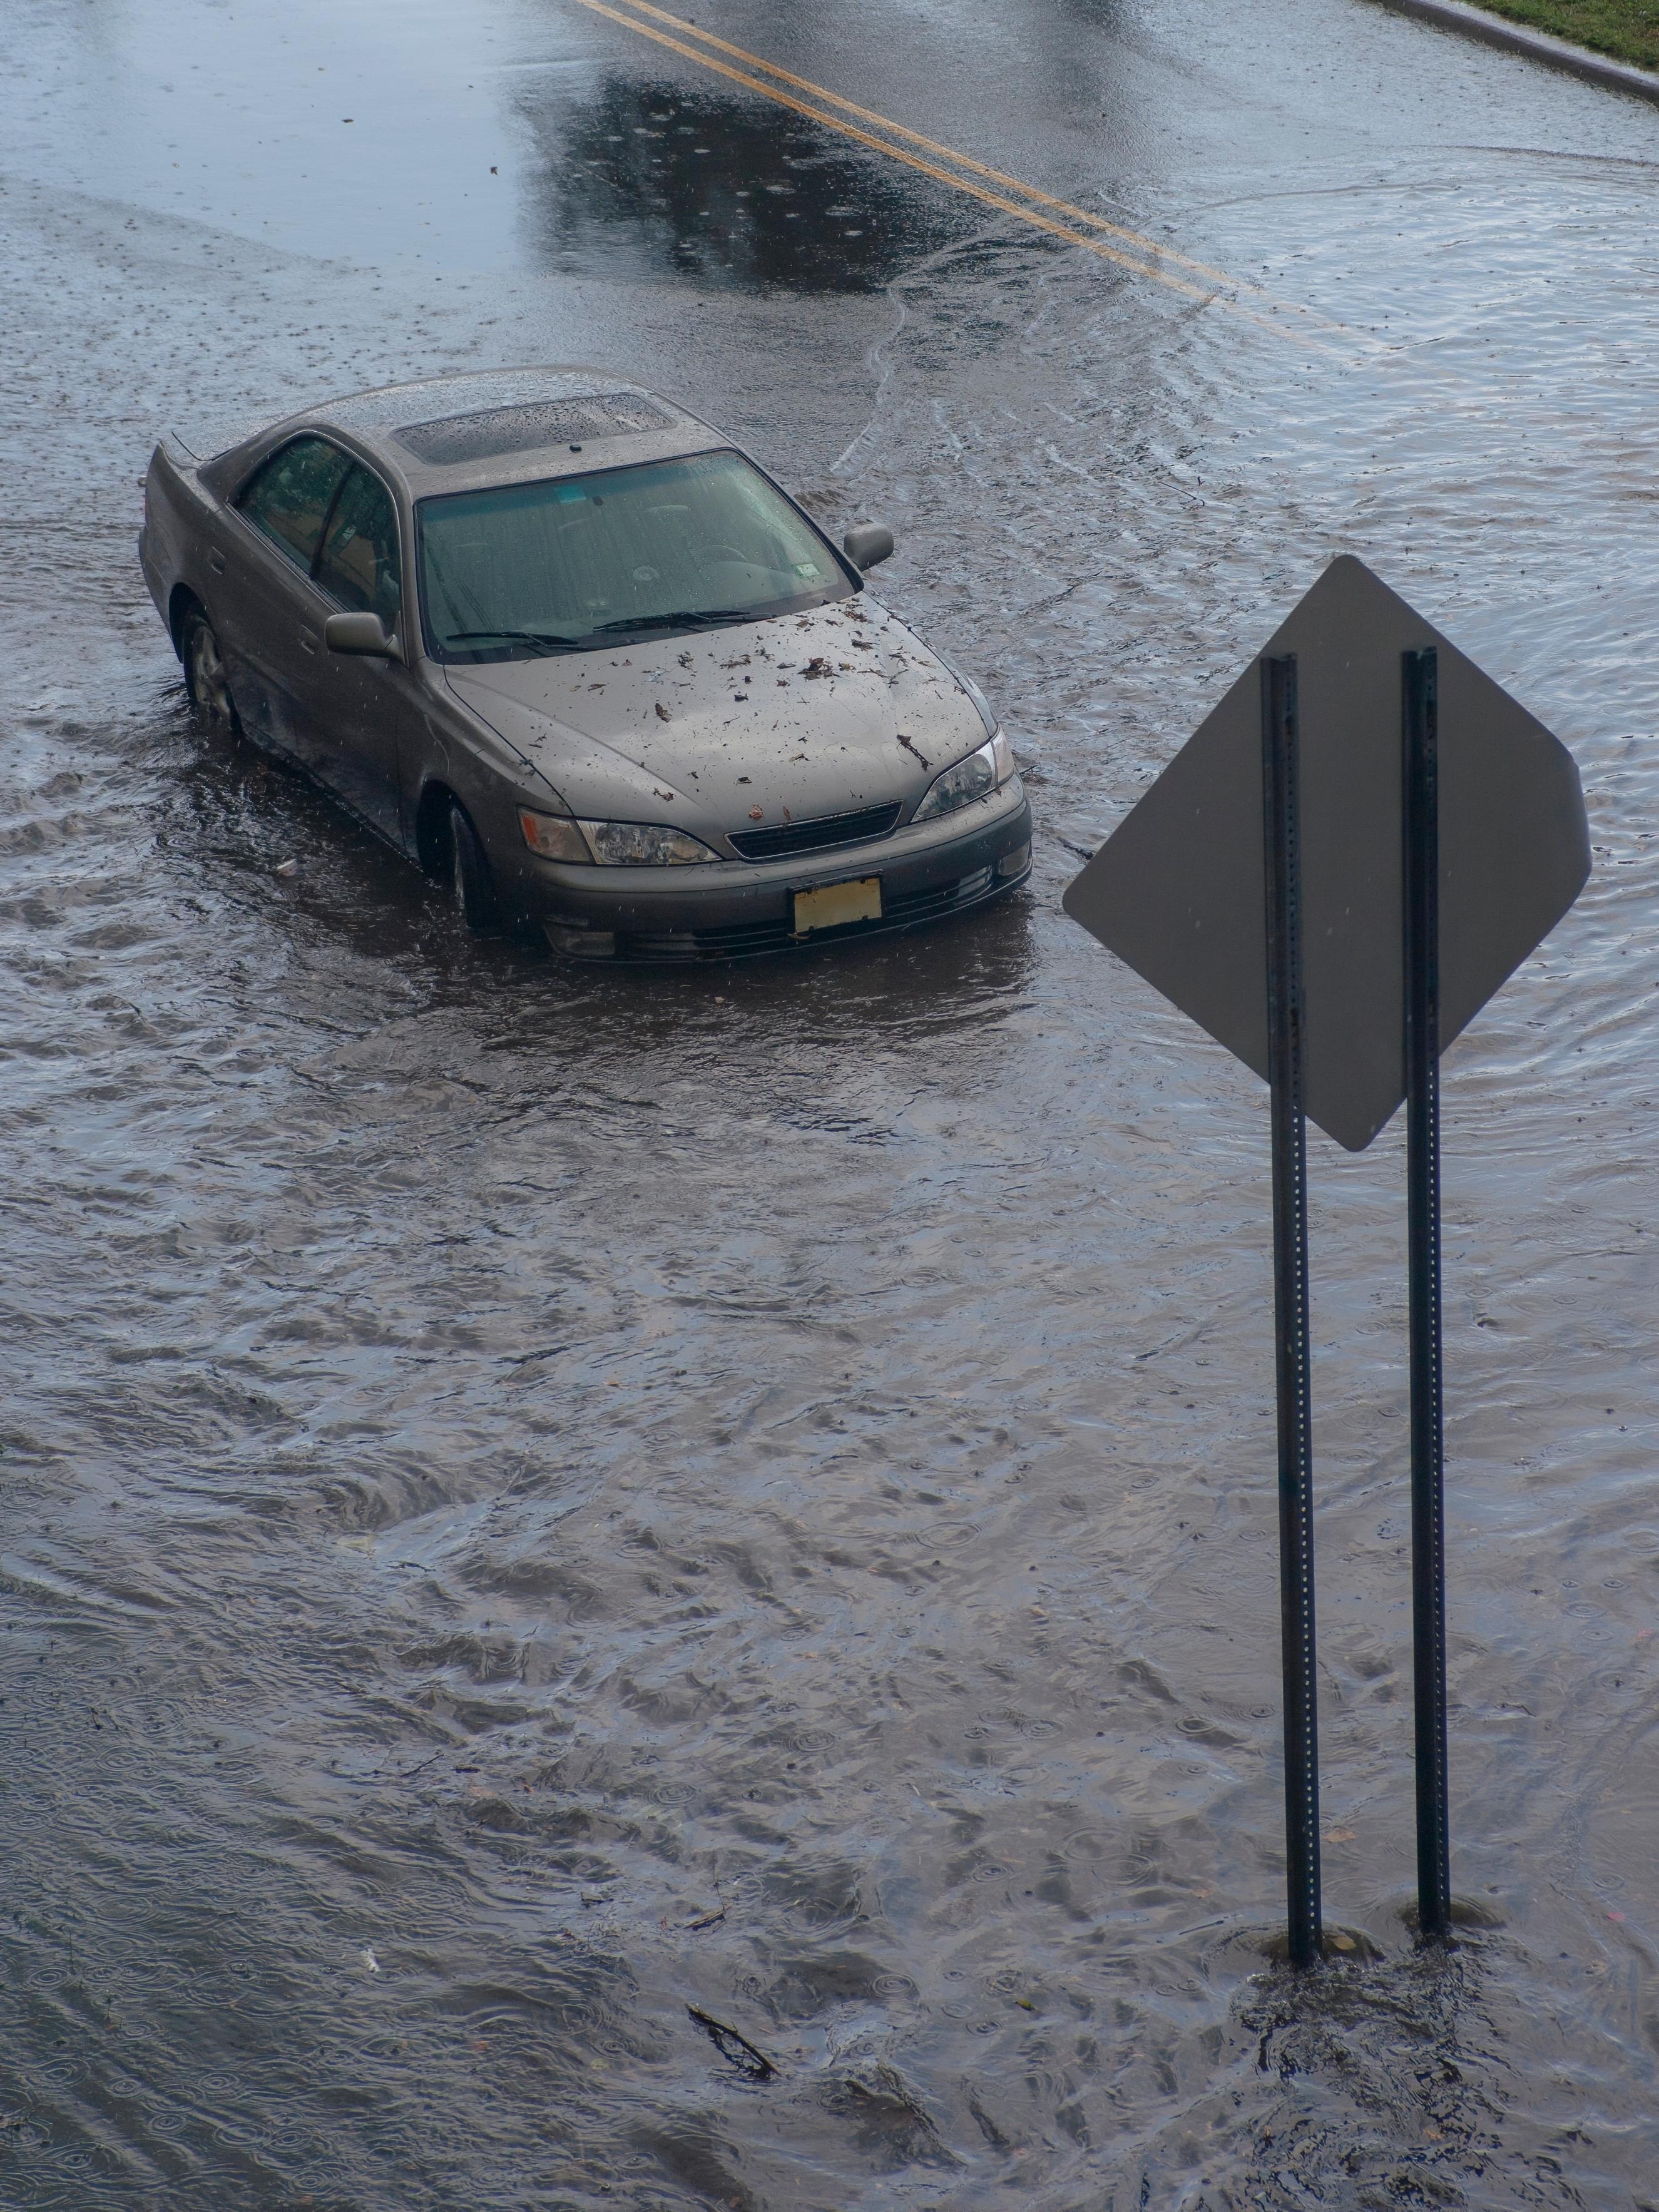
532, 1499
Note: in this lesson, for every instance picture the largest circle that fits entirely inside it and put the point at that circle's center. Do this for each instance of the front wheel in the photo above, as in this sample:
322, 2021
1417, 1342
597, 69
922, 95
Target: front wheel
204, 675
476, 899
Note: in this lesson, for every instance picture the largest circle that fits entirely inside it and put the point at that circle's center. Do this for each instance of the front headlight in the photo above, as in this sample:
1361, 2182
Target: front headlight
612, 844
976, 777
644, 844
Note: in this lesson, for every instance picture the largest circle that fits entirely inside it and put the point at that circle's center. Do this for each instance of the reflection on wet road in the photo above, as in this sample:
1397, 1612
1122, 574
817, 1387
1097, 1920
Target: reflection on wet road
531, 1499
946, 165
644, 173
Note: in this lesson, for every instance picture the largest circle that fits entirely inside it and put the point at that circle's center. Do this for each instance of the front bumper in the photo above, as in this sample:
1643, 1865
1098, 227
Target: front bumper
737, 909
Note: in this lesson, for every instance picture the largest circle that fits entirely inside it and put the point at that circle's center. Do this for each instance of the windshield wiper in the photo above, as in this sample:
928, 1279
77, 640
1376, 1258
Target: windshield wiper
544, 641
681, 618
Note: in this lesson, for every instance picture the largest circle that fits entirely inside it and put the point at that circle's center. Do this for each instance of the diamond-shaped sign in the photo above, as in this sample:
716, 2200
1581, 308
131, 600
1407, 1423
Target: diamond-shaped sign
1178, 890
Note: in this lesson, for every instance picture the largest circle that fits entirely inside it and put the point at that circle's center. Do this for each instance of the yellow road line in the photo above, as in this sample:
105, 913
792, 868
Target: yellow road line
1067, 232
966, 160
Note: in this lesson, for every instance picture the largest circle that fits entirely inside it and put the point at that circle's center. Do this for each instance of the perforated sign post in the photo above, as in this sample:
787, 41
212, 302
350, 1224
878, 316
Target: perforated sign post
1354, 851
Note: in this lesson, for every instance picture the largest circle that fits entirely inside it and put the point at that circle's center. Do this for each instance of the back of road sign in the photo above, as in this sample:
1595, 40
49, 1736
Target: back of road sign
1178, 890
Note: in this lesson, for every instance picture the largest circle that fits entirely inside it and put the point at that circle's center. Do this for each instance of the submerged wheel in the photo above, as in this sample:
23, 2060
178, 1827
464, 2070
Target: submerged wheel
476, 900
204, 674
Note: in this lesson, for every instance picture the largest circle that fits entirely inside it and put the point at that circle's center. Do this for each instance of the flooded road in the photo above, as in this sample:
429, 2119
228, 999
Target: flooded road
532, 1499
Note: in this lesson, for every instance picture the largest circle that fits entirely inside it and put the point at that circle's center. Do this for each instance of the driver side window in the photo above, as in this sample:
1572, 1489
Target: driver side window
288, 500
360, 566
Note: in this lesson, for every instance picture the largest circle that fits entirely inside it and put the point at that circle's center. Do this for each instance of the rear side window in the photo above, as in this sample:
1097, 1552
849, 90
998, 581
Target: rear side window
360, 566
289, 498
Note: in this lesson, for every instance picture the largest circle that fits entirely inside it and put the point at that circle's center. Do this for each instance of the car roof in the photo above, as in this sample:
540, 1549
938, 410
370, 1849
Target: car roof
486, 426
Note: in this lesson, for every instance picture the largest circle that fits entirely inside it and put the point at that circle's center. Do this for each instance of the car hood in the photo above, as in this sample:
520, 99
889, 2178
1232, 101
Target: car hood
760, 724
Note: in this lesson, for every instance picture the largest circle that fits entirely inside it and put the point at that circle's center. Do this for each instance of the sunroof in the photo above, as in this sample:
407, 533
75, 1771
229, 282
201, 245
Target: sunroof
498, 430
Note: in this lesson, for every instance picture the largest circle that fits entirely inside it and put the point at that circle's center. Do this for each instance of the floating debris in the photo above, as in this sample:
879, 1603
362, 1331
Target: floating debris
737, 2050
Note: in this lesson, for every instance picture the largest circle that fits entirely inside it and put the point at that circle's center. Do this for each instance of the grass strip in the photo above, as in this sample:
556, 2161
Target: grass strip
1626, 29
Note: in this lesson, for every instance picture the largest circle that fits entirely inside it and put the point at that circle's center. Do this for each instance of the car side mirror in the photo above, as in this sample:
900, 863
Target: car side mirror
867, 544
363, 634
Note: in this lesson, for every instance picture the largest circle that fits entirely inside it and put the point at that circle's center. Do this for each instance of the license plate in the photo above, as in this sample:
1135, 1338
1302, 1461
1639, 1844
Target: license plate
831, 906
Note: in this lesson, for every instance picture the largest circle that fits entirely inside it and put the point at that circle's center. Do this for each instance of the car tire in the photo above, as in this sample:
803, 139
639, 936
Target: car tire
205, 680
476, 899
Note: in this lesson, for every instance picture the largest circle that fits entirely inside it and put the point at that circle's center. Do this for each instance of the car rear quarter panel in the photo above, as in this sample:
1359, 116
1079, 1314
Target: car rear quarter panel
174, 548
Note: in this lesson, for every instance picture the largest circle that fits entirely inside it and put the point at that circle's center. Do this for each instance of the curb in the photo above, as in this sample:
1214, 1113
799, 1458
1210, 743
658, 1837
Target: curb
1516, 39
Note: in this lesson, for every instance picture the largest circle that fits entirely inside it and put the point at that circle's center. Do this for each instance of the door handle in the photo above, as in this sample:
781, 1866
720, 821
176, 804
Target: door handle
216, 561
309, 641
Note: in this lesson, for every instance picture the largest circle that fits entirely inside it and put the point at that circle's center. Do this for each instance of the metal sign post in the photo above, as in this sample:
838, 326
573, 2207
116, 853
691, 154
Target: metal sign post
1419, 685
1258, 885
1281, 824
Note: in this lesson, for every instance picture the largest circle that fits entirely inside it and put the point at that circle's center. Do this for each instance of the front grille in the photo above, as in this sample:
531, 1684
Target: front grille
815, 835
736, 940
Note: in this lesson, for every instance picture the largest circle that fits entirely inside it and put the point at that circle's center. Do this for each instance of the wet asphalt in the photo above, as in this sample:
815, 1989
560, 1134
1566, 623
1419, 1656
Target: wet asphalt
533, 1498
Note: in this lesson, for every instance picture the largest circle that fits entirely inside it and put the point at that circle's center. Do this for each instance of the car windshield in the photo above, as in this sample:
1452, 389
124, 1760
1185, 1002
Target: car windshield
583, 562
